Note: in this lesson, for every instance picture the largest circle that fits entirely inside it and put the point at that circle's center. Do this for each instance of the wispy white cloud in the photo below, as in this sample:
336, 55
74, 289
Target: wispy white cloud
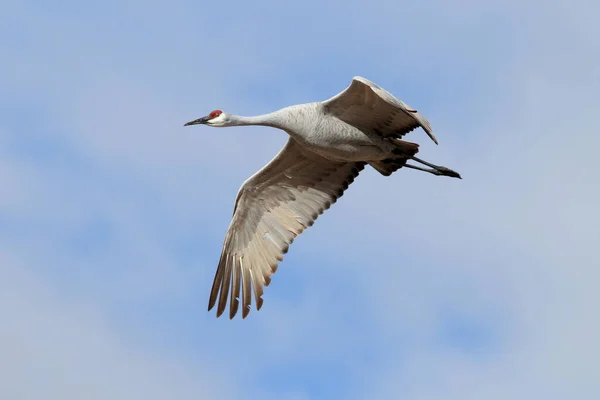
57, 347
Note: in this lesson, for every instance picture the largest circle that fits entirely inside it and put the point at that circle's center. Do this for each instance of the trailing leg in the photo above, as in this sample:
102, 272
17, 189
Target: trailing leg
435, 169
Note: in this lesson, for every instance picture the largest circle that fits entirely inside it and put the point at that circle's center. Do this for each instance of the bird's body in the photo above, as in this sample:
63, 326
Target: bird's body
330, 143
327, 135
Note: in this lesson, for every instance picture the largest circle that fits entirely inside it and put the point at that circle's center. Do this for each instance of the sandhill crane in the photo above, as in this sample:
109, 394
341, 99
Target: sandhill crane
329, 143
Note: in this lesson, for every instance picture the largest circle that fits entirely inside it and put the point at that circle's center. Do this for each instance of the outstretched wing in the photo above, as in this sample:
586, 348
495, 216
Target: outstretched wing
273, 207
368, 106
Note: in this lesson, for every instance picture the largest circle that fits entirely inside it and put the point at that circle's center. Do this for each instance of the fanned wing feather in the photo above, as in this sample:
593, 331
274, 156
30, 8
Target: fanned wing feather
272, 208
368, 106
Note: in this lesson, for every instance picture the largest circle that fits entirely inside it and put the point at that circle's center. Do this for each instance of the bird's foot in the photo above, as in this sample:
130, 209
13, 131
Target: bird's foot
445, 171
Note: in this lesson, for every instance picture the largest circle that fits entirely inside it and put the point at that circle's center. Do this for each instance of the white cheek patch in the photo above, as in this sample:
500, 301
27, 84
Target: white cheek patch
218, 120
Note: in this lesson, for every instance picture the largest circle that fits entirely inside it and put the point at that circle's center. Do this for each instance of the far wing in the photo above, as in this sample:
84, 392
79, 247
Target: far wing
368, 106
273, 207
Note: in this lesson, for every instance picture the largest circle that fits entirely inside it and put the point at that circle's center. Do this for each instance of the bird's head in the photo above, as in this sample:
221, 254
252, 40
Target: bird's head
215, 118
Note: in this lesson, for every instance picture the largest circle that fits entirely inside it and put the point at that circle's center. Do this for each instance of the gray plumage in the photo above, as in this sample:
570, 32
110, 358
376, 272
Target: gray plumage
330, 143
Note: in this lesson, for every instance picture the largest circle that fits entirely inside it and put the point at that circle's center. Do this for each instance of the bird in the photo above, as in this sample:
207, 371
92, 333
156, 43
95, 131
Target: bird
329, 143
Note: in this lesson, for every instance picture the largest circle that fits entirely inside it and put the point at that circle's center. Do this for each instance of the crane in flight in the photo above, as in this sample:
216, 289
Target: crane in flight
329, 143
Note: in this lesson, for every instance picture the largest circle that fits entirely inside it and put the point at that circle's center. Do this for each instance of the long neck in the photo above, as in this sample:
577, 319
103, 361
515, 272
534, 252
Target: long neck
272, 119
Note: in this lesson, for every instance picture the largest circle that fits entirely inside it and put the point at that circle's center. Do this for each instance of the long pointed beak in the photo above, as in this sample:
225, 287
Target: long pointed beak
198, 121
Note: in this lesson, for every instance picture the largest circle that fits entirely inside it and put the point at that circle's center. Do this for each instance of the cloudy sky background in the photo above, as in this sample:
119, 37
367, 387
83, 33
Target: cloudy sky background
112, 215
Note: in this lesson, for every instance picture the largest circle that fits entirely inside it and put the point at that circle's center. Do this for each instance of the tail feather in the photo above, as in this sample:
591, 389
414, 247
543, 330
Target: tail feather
400, 155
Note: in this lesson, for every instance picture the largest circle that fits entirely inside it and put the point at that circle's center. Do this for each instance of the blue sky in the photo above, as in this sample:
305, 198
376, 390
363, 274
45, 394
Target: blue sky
112, 214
